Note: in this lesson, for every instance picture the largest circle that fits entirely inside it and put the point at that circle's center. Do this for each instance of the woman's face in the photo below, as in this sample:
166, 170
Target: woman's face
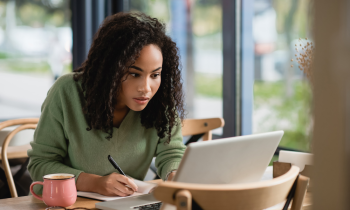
142, 80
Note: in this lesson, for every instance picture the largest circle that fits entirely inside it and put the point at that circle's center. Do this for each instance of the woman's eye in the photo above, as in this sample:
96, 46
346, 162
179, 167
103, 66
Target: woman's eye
134, 74
156, 75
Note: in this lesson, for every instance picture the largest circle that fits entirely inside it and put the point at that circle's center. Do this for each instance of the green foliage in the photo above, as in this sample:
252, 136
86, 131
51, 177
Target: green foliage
68, 68
56, 18
23, 66
274, 158
4, 55
159, 9
20, 66
37, 15
208, 85
32, 15
263, 91
289, 113
301, 16
207, 19
206, 15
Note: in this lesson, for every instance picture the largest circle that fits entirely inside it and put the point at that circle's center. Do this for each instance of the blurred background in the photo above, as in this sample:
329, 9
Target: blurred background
35, 49
36, 43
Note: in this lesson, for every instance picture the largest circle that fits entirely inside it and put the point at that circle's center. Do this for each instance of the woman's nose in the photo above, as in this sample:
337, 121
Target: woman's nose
145, 86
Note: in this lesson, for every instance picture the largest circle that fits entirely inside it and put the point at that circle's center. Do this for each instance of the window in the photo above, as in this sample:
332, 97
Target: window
282, 93
35, 49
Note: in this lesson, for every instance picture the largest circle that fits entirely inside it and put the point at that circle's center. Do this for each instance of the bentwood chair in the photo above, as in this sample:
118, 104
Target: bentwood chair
196, 128
13, 152
250, 196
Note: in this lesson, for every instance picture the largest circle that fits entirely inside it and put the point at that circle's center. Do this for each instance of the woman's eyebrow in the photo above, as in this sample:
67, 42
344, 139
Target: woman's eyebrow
138, 68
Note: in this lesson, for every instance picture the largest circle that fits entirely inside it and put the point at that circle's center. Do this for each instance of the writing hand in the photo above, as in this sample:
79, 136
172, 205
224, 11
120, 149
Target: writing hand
116, 184
110, 185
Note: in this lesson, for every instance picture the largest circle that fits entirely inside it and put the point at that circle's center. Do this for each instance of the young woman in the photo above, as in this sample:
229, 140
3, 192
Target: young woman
125, 100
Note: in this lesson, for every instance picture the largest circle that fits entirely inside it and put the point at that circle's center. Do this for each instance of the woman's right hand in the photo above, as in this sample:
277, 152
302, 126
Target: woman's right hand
116, 184
110, 185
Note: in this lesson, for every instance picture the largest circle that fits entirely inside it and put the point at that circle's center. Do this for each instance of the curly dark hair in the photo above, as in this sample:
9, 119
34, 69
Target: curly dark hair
116, 46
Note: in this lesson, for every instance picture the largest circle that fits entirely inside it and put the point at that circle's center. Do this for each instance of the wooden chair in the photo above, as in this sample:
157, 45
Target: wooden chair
15, 151
250, 196
201, 127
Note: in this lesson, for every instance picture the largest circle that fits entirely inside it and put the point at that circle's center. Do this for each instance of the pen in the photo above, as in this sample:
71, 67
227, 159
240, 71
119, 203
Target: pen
115, 165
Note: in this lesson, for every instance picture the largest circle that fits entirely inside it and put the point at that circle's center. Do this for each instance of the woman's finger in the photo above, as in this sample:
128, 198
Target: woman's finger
123, 188
127, 181
119, 193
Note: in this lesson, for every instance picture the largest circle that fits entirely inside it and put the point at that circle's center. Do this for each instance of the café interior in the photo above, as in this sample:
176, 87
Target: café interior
248, 67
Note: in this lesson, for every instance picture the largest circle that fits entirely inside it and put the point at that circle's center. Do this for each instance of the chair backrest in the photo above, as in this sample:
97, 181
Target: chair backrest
250, 196
201, 127
29, 123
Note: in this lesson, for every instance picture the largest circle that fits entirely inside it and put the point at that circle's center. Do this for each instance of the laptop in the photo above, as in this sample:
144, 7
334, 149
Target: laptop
222, 161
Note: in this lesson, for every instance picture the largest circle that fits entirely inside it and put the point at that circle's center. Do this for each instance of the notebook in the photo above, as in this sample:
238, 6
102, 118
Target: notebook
143, 188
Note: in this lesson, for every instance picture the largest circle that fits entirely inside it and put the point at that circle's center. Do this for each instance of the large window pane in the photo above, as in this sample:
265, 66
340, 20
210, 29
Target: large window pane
35, 49
282, 93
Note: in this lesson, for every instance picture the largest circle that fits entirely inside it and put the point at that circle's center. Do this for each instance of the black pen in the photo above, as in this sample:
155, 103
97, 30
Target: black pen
115, 165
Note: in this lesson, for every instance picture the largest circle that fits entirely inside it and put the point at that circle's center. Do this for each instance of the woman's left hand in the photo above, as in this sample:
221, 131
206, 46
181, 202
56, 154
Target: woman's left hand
171, 175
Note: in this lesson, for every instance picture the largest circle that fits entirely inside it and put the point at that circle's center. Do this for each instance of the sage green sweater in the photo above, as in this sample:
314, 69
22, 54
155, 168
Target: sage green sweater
63, 145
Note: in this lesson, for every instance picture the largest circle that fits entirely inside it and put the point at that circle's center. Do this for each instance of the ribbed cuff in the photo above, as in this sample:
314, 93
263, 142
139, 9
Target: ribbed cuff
168, 174
167, 168
77, 175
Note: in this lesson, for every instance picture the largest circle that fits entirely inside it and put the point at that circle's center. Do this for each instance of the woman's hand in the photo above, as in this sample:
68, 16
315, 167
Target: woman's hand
110, 185
116, 184
171, 176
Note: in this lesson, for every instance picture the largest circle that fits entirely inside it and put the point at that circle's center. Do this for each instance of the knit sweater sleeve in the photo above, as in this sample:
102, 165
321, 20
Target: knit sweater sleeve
168, 156
50, 146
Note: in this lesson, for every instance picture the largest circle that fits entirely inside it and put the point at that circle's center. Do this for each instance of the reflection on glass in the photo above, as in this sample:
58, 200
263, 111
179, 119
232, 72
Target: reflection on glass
282, 93
196, 27
35, 49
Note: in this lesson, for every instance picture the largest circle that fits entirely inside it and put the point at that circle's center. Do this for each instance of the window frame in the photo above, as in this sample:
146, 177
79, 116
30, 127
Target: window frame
238, 67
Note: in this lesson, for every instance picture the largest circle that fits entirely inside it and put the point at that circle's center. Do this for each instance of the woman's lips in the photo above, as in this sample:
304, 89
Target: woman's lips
141, 100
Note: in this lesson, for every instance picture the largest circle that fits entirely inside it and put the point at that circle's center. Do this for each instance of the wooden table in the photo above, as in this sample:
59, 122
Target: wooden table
14, 152
31, 203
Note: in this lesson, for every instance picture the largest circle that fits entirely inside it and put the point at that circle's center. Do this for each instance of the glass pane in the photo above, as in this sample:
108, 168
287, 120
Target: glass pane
282, 92
35, 48
196, 27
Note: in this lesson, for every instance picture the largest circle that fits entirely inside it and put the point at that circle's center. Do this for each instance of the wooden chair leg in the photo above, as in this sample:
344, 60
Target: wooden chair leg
4, 158
208, 136
183, 200
300, 192
8, 173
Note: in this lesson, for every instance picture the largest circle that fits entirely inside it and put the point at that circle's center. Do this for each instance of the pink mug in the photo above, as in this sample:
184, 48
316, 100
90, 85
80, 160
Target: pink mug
58, 190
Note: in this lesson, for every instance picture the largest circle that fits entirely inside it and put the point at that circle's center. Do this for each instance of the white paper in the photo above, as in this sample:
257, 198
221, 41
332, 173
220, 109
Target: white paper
143, 188
100, 197
268, 174
166, 206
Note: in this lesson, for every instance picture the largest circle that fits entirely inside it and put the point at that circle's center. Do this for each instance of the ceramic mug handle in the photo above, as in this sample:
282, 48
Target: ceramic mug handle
32, 191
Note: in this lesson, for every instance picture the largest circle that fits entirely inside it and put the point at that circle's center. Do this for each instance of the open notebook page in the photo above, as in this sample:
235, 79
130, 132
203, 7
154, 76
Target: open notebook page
143, 188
